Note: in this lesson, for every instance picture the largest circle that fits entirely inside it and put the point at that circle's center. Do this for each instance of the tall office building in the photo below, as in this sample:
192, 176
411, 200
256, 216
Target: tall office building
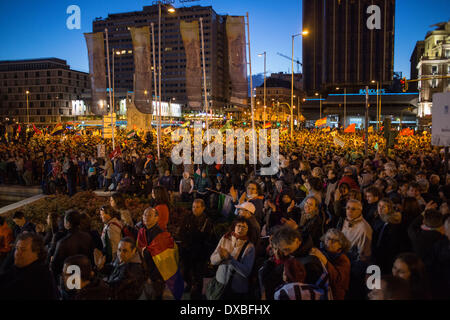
341, 50
173, 55
53, 90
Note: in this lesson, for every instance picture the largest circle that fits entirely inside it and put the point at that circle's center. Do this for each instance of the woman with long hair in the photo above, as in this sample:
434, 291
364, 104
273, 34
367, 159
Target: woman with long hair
410, 267
117, 202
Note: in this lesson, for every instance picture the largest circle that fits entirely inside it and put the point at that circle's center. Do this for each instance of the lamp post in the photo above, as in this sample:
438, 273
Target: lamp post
378, 103
264, 113
320, 103
28, 114
304, 33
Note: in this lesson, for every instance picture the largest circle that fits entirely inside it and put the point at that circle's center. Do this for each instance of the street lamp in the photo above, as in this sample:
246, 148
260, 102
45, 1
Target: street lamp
378, 103
260, 55
28, 114
304, 33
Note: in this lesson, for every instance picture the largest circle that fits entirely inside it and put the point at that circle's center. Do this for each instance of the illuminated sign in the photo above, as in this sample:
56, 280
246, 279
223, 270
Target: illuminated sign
372, 91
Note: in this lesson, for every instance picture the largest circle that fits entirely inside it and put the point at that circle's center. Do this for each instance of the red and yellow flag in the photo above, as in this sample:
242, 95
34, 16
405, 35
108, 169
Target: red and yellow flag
321, 122
351, 128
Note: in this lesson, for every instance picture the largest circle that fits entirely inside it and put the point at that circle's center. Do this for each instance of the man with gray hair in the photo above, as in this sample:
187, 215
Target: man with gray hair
358, 231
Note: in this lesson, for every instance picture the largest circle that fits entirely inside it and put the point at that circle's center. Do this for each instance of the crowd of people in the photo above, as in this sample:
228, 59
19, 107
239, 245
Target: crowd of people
310, 232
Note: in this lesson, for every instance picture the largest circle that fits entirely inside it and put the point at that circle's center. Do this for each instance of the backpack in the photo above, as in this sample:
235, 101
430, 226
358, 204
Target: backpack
322, 284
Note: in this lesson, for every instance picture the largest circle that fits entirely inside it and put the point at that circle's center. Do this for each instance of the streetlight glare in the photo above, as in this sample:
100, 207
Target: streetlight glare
171, 10
305, 32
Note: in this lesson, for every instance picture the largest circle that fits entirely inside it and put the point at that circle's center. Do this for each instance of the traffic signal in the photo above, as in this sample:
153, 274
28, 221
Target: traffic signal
278, 124
404, 84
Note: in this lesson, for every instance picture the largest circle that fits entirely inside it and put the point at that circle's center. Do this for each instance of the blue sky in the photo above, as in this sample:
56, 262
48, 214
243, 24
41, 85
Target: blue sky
37, 28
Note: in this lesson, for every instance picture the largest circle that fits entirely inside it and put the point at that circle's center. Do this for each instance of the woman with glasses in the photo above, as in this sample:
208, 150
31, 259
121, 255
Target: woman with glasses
332, 254
235, 256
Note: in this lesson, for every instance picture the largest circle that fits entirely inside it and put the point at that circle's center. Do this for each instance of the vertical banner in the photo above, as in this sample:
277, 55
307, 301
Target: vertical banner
142, 69
237, 57
97, 72
191, 42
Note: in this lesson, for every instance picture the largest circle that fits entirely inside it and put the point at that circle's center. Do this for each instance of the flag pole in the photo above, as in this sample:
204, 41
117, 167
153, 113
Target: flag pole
366, 129
109, 83
204, 82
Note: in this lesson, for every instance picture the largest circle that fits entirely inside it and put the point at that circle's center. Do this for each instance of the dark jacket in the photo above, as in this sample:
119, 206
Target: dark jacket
27, 227
197, 239
422, 241
439, 269
370, 212
271, 273
126, 281
74, 243
388, 240
33, 282
314, 228
97, 289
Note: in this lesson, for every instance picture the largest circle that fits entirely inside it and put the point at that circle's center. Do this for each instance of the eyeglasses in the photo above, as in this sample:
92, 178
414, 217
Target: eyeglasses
352, 208
331, 239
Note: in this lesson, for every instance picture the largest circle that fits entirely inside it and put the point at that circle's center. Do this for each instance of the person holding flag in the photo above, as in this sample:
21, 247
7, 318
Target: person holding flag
36, 130
57, 129
160, 255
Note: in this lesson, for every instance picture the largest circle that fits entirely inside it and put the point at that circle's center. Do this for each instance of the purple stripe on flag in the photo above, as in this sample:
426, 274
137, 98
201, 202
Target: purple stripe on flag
176, 285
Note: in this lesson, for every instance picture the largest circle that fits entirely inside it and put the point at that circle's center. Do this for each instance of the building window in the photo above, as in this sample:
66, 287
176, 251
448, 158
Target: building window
434, 69
434, 83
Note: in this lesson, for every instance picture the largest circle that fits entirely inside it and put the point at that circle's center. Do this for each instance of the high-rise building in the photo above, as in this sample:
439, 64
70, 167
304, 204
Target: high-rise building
344, 47
41, 91
172, 51
417, 54
434, 62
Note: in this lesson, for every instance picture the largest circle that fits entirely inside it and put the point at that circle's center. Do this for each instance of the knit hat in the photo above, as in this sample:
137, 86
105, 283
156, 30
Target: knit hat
247, 206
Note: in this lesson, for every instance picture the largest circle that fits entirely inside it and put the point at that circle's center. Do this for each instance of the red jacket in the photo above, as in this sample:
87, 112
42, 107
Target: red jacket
163, 214
339, 272
6, 238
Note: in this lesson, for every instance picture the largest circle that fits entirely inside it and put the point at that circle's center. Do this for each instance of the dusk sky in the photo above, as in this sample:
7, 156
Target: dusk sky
37, 28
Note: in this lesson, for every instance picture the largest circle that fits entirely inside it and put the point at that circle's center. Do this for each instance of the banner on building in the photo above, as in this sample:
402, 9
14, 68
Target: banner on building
191, 41
97, 72
235, 28
441, 119
142, 69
